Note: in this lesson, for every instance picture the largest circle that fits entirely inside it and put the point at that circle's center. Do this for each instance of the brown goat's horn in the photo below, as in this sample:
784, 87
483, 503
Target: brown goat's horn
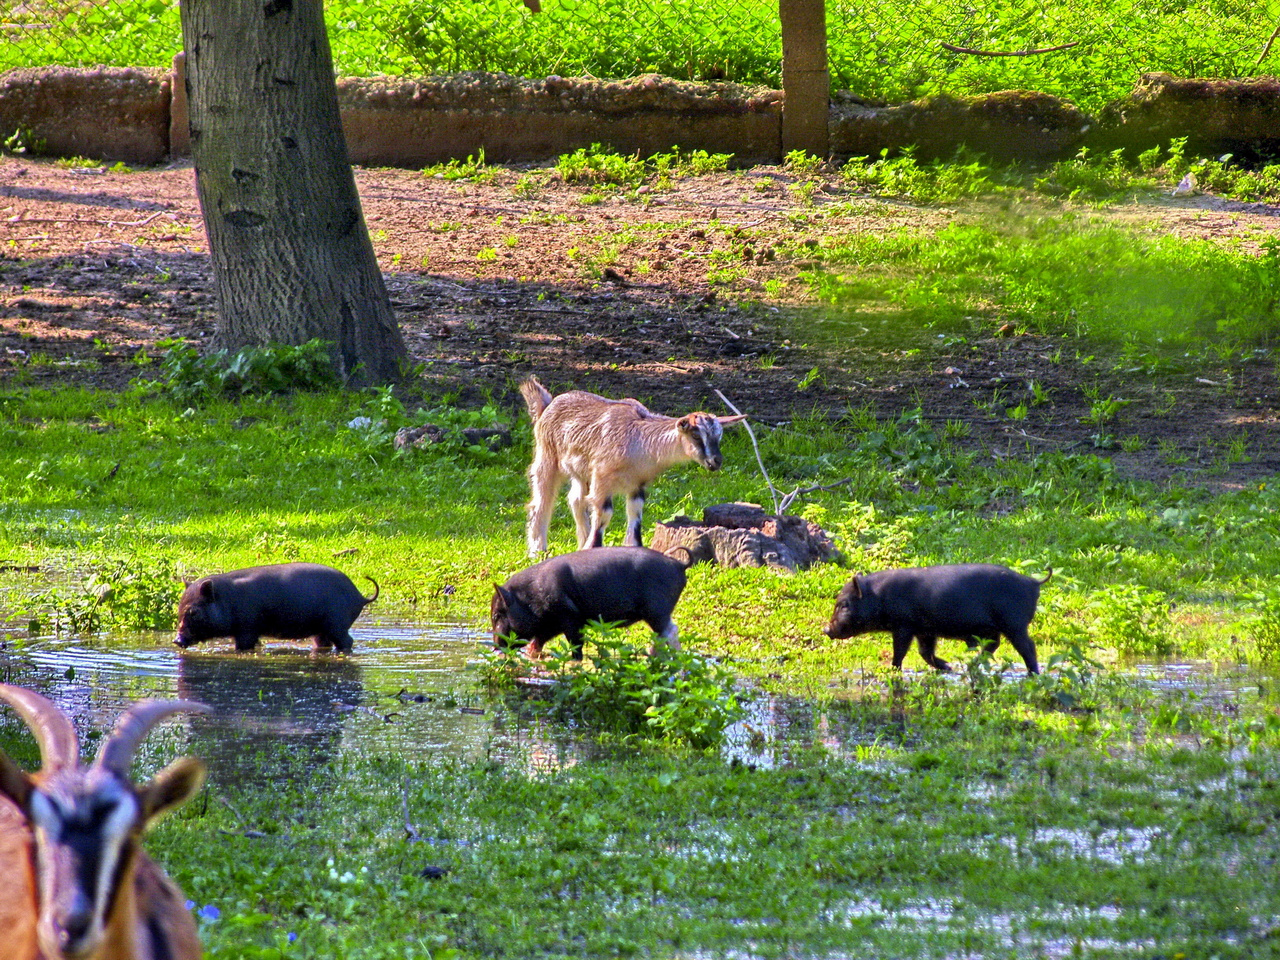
59, 745
116, 753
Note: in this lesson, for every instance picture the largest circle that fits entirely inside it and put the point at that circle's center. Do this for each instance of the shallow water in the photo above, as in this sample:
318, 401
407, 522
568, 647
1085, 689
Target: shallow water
402, 694
393, 697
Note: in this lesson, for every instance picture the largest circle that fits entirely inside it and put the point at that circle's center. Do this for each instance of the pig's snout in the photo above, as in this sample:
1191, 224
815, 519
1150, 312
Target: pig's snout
183, 642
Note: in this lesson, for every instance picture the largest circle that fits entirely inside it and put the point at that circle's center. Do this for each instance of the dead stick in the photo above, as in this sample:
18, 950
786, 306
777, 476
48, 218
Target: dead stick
1266, 47
410, 830
773, 492
790, 498
1005, 53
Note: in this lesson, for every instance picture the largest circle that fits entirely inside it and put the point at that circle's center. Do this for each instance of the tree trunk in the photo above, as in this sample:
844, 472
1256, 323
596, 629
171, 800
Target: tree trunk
292, 259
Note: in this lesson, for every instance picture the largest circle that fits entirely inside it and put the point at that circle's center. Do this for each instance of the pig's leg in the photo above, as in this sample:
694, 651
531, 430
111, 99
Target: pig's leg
344, 642
578, 504
533, 649
246, 641
928, 646
573, 634
635, 513
1022, 643
322, 641
901, 644
670, 635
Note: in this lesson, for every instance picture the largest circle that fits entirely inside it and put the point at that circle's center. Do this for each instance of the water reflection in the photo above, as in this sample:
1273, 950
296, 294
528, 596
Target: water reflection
406, 694
269, 708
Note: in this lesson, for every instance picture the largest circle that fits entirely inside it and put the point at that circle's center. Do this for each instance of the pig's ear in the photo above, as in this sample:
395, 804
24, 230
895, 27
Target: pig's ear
854, 589
503, 594
206, 589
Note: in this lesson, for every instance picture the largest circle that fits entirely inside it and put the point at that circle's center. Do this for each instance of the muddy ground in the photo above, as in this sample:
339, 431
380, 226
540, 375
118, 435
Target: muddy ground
663, 294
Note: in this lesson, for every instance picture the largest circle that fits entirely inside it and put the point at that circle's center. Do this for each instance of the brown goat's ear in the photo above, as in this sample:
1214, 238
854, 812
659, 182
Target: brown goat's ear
170, 788
730, 421
15, 783
686, 424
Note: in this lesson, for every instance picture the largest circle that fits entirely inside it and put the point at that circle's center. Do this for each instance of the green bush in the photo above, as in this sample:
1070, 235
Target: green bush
673, 696
190, 377
125, 592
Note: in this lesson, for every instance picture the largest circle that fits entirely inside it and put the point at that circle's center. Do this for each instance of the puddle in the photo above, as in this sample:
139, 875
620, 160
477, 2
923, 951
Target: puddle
394, 697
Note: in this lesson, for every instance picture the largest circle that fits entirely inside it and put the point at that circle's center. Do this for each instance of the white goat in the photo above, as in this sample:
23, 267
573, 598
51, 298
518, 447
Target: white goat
606, 447
74, 884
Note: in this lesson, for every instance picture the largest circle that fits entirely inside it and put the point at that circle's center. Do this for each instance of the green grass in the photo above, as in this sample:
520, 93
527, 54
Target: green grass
886, 50
964, 819
1054, 274
93, 481
977, 815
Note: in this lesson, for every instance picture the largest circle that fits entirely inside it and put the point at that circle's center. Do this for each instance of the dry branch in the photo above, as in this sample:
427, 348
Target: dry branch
1006, 53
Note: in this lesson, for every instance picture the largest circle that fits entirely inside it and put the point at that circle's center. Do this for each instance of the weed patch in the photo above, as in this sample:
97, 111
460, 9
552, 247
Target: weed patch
189, 377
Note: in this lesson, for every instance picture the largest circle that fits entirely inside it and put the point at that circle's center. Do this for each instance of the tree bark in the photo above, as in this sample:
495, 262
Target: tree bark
292, 259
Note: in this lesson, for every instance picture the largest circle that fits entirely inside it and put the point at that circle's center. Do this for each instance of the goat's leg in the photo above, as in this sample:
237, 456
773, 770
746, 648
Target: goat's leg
545, 481
578, 504
601, 514
635, 513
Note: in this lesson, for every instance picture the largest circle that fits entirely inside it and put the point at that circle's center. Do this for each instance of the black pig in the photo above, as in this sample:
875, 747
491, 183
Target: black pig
285, 600
613, 584
969, 601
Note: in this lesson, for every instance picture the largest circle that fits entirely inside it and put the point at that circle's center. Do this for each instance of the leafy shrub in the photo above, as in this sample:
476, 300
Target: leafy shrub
671, 696
1264, 628
474, 169
130, 592
1134, 621
190, 377
904, 176
597, 164
1092, 178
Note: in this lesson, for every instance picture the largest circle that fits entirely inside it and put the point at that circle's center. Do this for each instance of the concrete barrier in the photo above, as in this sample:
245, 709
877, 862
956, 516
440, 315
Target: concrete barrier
139, 116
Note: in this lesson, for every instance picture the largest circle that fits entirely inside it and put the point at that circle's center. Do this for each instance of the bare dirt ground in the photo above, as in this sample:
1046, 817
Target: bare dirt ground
662, 294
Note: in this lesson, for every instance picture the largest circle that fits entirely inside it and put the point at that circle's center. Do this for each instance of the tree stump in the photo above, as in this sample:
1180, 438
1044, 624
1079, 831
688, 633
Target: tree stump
743, 535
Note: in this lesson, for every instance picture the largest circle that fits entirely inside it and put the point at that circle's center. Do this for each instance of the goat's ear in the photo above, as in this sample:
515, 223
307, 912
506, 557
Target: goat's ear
687, 424
15, 783
730, 421
171, 787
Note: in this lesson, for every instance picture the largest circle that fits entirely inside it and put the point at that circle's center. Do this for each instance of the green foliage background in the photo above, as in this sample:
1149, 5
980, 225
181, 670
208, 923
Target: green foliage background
889, 50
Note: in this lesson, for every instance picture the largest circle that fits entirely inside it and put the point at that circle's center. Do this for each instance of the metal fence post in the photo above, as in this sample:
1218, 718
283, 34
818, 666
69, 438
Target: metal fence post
806, 80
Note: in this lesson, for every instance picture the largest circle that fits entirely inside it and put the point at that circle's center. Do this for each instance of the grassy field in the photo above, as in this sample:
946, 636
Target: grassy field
1087, 813
878, 50
1099, 810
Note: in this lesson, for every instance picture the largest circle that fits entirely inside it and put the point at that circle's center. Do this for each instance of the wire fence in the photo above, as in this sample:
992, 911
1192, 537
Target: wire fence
878, 49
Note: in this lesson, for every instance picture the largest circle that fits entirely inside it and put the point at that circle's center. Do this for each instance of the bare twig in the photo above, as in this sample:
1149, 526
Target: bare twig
1005, 53
1266, 47
773, 491
410, 830
790, 498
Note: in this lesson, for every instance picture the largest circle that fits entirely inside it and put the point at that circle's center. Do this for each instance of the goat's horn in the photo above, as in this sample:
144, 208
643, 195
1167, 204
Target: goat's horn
116, 754
59, 745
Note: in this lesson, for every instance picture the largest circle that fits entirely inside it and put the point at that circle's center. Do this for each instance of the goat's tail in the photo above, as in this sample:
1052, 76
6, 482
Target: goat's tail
535, 396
